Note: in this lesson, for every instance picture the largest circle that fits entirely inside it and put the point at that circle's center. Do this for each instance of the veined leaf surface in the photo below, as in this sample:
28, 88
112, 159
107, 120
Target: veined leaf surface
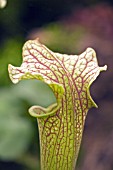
60, 124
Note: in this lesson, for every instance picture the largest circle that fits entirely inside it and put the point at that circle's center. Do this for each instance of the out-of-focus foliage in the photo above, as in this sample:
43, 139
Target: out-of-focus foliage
16, 129
90, 26
18, 18
59, 37
10, 51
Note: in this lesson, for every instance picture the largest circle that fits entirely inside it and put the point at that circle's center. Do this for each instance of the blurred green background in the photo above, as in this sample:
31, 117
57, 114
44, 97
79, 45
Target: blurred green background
65, 26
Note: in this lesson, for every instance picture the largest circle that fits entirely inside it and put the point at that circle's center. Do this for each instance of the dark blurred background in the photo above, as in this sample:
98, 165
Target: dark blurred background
65, 26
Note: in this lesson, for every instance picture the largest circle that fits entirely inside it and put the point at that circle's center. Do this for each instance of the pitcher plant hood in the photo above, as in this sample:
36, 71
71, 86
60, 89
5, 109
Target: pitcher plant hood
61, 124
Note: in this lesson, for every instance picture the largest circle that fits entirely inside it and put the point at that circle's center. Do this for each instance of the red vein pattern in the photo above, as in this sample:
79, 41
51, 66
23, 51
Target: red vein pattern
61, 124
